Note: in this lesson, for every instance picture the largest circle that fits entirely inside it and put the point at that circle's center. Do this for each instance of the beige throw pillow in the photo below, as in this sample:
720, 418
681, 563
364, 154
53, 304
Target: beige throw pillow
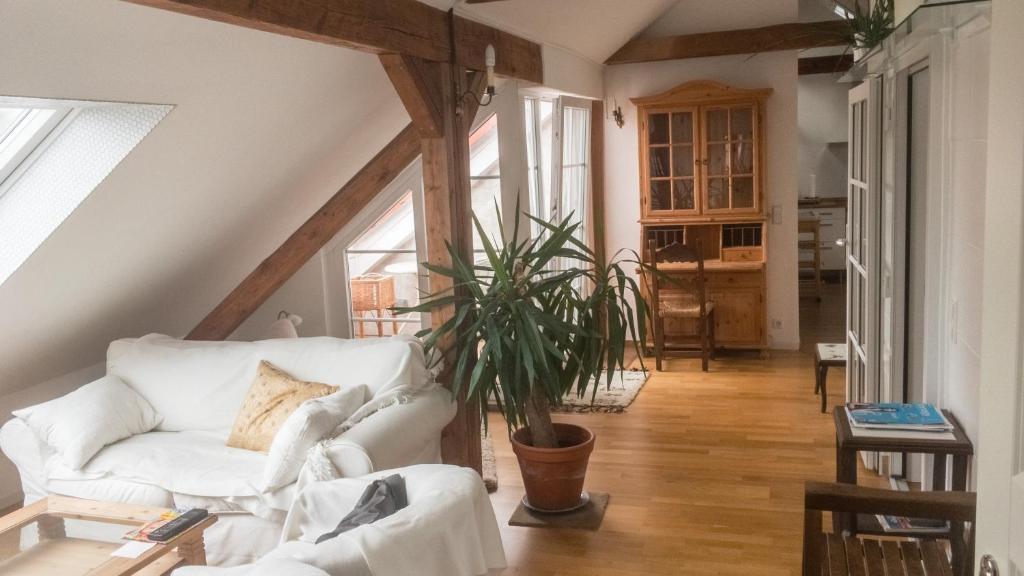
273, 396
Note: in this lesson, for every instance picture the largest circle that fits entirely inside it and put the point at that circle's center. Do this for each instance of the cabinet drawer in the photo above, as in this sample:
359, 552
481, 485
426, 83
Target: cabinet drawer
746, 279
743, 254
831, 231
833, 257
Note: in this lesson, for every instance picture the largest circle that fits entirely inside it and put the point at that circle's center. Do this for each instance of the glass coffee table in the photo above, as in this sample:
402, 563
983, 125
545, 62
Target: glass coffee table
34, 540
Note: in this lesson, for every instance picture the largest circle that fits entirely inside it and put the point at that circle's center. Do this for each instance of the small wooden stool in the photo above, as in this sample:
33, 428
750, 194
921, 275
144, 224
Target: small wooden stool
826, 355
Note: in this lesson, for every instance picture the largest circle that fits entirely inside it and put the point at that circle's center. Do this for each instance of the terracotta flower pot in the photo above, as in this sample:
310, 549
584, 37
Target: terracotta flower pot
553, 477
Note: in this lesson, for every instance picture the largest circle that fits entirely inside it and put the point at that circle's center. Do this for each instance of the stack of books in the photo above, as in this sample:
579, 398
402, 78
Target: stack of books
907, 417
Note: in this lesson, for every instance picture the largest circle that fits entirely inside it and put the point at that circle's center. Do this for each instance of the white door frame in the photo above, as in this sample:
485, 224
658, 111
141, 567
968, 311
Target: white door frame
863, 347
1000, 456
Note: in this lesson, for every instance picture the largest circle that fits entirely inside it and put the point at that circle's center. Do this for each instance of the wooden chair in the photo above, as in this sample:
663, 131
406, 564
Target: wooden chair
687, 300
842, 554
809, 242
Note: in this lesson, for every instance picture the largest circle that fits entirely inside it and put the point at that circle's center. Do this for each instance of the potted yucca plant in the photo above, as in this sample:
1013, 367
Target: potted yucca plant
535, 321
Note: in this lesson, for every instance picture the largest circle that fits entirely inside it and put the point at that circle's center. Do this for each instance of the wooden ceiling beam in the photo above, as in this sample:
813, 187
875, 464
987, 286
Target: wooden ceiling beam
836, 64
404, 27
794, 36
273, 272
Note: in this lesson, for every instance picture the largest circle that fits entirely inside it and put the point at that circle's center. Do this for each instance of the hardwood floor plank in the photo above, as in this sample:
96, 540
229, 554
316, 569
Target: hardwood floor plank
705, 472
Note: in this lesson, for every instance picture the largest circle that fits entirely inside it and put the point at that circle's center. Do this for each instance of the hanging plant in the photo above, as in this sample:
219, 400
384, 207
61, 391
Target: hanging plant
869, 27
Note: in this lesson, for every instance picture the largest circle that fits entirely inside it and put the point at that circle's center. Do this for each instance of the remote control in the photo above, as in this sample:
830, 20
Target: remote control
178, 525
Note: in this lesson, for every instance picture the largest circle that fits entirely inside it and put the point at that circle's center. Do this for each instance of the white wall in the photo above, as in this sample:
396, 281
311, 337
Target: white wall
821, 117
265, 129
903, 8
968, 134
1000, 390
776, 70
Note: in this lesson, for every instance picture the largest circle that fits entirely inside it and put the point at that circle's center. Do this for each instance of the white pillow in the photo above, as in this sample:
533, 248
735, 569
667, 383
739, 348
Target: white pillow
312, 421
79, 424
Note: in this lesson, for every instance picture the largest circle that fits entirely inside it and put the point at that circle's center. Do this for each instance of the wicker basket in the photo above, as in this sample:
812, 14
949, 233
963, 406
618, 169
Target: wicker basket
373, 292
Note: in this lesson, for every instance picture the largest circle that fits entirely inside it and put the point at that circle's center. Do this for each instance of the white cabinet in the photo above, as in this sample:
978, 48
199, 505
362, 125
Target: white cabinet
832, 226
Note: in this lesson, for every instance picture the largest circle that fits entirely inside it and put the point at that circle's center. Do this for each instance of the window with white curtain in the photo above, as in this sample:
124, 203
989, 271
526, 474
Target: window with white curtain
558, 160
575, 178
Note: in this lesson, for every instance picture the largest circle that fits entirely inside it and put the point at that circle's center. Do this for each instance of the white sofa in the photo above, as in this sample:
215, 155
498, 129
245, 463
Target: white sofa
197, 389
447, 529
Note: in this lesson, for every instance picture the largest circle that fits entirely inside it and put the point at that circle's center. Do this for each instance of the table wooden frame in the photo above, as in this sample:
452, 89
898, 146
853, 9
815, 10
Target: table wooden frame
188, 548
847, 446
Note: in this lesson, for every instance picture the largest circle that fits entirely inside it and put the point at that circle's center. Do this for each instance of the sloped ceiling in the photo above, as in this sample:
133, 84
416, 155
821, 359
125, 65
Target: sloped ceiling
594, 29
265, 128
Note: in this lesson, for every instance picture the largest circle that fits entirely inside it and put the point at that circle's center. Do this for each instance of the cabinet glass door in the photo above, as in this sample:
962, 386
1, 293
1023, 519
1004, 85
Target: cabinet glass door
671, 162
730, 158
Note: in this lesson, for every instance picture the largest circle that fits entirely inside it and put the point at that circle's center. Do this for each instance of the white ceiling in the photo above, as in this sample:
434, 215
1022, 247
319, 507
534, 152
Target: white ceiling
594, 29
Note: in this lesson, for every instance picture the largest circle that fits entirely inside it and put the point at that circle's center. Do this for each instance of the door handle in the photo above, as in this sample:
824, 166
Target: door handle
840, 242
988, 566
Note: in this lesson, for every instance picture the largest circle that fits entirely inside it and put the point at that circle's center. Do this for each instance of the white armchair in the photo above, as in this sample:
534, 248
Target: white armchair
448, 529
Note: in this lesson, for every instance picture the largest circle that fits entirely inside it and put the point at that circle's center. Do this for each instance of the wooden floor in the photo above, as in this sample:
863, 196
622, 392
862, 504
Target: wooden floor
705, 472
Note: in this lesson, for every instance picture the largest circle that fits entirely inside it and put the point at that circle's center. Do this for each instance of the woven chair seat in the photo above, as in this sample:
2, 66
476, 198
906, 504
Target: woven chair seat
682, 309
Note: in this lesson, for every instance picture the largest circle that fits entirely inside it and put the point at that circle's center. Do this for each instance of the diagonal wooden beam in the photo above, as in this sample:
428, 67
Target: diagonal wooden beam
378, 26
414, 80
794, 36
273, 272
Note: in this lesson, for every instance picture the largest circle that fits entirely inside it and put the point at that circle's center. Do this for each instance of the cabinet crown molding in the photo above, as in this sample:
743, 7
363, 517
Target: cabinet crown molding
701, 91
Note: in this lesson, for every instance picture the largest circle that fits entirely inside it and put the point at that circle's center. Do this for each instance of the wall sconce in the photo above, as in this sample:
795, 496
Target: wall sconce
490, 61
620, 121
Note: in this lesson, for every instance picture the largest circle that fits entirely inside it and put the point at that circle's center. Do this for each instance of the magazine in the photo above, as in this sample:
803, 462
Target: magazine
904, 525
887, 416
142, 534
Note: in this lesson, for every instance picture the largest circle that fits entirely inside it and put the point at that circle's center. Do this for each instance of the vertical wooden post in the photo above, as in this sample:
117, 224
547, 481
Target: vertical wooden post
447, 201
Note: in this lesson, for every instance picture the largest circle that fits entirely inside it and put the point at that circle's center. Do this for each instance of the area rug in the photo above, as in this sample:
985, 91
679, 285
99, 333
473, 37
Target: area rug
587, 518
625, 387
490, 464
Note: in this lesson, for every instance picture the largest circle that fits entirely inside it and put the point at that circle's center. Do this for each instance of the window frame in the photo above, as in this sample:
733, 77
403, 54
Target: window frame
43, 133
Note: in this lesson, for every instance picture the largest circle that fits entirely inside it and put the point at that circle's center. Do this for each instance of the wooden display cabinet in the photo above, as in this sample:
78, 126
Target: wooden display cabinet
702, 174
701, 151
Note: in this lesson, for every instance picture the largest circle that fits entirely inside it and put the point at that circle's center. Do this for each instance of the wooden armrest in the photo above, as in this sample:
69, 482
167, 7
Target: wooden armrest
955, 506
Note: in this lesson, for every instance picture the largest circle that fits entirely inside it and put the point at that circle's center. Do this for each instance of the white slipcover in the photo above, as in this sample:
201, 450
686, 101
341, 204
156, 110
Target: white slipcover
198, 388
448, 529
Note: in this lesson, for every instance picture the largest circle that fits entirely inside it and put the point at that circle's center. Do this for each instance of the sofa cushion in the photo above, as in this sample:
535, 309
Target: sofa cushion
186, 463
80, 423
271, 399
201, 385
311, 422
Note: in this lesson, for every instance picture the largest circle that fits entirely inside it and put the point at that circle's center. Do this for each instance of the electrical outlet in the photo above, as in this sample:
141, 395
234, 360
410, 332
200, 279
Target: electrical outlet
776, 214
776, 324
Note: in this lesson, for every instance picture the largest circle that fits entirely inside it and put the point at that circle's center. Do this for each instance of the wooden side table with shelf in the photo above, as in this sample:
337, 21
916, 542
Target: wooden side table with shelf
959, 449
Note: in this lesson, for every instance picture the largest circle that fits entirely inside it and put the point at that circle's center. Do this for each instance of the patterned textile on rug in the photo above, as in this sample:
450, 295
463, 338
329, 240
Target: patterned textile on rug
624, 389
490, 464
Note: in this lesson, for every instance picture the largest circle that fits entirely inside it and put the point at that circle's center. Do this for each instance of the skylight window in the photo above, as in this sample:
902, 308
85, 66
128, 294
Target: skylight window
53, 154
21, 132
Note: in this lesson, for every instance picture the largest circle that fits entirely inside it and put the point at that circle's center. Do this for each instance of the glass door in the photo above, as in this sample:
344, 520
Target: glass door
670, 163
862, 244
730, 159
